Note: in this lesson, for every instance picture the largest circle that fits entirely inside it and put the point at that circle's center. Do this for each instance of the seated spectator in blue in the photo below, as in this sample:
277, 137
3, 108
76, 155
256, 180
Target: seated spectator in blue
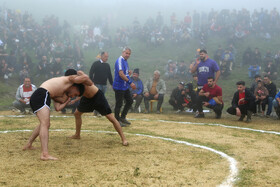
276, 104
261, 94
137, 94
243, 102
254, 70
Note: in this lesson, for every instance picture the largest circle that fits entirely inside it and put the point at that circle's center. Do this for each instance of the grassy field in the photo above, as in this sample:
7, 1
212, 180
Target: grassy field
164, 150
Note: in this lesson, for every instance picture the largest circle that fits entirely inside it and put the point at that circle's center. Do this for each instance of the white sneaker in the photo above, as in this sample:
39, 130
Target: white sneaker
189, 110
178, 111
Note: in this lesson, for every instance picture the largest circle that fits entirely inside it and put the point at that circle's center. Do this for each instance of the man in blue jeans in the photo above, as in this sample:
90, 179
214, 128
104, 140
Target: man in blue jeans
271, 87
276, 104
121, 85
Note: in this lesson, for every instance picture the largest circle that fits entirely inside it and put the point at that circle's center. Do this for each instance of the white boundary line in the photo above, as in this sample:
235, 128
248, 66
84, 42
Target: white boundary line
165, 121
229, 181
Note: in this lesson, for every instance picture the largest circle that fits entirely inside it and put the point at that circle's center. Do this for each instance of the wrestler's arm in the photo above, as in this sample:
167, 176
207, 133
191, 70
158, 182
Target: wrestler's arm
59, 106
81, 78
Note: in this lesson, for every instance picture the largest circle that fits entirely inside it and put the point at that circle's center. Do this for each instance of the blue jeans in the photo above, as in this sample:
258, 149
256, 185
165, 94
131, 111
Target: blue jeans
275, 103
102, 87
269, 108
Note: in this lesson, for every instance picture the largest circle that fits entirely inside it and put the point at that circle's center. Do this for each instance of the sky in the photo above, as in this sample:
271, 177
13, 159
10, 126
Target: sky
77, 11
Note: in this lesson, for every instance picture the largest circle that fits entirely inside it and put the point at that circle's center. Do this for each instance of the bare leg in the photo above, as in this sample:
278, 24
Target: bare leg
33, 136
78, 120
118, 127
44, 117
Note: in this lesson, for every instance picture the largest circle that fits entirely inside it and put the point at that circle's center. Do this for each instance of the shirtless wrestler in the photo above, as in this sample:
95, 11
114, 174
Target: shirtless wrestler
60, 90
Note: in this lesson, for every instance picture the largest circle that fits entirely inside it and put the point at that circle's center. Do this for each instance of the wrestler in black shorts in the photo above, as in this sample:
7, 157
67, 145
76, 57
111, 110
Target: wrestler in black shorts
97, 102
39, 99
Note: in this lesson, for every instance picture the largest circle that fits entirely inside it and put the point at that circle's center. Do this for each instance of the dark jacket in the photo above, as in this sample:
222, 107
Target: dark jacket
100, 72
271, 89
176, 94
249, 97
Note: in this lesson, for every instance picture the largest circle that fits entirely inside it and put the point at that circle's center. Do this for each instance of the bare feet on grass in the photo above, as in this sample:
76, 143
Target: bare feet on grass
46, 157
75, 136
28, 147
125, 143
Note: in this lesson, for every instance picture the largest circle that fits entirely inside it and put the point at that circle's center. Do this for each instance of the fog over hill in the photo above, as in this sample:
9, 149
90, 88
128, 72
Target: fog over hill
124, 11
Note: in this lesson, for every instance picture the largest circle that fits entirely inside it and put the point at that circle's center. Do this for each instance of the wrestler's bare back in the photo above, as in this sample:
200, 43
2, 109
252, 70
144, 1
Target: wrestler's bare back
57, 88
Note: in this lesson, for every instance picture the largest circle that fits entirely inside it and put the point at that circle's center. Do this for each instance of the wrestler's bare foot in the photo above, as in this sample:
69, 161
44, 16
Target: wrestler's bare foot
46, 157
75, 136
28, 147
125, 143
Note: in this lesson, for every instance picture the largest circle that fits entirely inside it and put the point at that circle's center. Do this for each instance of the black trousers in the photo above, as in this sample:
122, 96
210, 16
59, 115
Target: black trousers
151, 97
199, 105
177, 103
243, 109
138, 100
120, 96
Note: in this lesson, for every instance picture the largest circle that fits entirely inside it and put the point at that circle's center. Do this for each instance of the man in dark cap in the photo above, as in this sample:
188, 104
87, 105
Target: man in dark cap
176, 98
137, 94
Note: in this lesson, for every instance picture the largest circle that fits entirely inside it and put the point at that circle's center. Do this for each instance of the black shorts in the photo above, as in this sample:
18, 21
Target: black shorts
39, 99
97, 102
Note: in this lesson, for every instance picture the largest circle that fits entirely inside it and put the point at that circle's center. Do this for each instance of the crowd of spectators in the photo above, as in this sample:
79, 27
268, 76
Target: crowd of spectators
21, 37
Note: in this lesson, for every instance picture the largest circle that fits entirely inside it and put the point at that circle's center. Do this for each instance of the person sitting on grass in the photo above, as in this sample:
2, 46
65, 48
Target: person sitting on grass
243, 102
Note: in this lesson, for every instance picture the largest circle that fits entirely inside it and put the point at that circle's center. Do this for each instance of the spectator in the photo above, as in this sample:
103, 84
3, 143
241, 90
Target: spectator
276, 104
255, 83
243, 102
261, 94
254, 70
271, 70
100, 72
121, 85
227, 61
136, 94
154, 89
247, 57
189, 97
176, 97
25, 59
43, 68
218, 54
211, 97
271, 87
182, 69
257, 57
170, 69
23, 95
56, 68
205, 68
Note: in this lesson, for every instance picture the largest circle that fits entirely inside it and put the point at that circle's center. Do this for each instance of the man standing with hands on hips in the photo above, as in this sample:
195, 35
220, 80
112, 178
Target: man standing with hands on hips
121, 85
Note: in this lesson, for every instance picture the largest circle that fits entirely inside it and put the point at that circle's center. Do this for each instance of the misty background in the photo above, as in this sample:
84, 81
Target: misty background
122, 12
